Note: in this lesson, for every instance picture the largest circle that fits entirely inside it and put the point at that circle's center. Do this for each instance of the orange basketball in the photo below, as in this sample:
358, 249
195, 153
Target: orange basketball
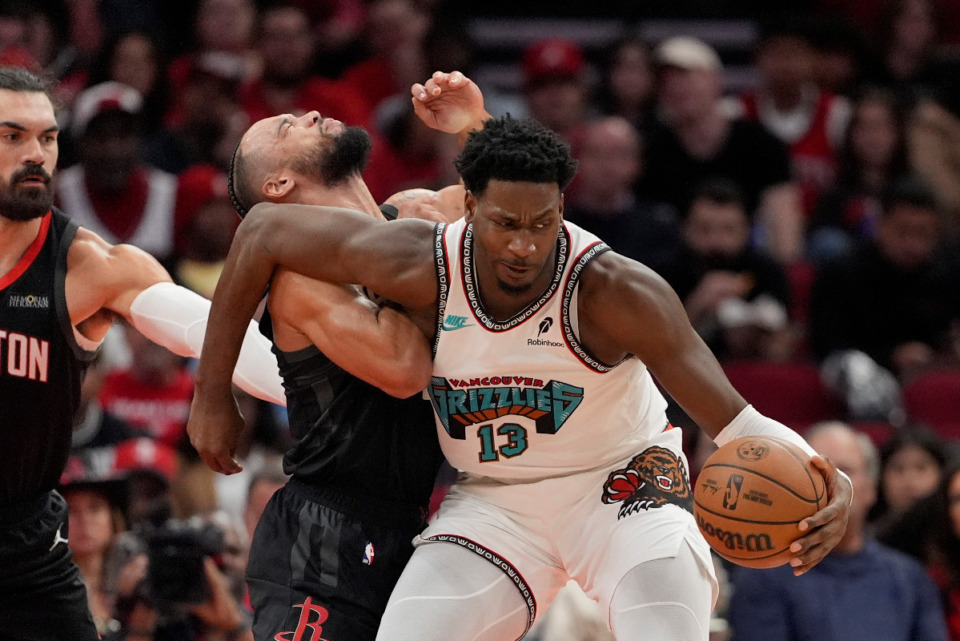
750, 497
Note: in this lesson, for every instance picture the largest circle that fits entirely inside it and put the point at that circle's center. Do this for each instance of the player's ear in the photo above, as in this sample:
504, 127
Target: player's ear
561, 206
469, 205
278, 186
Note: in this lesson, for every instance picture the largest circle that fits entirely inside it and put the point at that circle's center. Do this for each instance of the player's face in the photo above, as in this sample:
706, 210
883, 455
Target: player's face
28, 154
515, 227
319, 148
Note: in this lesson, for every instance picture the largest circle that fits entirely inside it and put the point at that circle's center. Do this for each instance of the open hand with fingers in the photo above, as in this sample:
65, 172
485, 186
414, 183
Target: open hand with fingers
449, 102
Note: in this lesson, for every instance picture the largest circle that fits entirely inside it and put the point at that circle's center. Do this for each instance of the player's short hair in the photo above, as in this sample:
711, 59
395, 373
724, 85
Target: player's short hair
20, 80
517, 150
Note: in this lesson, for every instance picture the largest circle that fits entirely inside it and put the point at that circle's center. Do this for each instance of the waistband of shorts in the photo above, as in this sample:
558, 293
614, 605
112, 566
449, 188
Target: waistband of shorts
377, 511
12, 514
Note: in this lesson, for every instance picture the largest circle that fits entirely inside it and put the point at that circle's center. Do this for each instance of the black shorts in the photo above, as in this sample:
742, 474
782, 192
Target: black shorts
326, 563
42, 597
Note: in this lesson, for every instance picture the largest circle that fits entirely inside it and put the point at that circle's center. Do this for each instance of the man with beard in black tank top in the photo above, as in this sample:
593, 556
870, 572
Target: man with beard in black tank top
332, 543
61, 287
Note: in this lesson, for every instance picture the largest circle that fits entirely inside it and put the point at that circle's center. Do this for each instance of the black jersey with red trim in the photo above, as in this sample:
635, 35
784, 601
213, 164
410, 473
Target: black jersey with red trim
41, 365
353, 437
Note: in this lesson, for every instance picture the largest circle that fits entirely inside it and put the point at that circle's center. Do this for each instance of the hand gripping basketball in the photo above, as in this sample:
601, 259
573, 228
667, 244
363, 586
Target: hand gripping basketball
750, 497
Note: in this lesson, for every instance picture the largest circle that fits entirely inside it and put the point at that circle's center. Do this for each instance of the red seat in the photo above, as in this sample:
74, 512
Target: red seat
933, 399
791, 393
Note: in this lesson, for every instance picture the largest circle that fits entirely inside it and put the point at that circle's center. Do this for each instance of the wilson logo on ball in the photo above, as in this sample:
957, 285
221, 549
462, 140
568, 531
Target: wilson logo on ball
735, 540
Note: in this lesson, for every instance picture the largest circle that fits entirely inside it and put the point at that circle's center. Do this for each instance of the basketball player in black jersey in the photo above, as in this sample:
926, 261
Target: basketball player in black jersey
332, 543
61, 287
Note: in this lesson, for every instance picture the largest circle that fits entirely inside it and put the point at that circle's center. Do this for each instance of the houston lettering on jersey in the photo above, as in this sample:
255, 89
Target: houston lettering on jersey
24, 356
548, 404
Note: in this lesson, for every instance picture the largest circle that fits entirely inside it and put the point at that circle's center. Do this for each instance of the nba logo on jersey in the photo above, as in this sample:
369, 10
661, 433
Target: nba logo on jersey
368, 553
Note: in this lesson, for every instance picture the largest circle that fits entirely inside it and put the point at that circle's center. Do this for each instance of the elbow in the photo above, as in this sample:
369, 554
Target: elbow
254, 230
407, 376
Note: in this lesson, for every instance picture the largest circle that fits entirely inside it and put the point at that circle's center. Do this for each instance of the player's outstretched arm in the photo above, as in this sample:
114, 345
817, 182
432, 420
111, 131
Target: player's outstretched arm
393, 259
104, 280
627, 308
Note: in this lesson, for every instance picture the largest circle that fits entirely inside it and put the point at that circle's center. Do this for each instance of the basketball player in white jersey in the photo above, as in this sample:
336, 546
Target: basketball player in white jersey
544, 345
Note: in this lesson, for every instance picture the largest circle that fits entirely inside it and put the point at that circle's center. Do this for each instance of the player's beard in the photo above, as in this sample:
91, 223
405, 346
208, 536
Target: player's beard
336, 158
20, 201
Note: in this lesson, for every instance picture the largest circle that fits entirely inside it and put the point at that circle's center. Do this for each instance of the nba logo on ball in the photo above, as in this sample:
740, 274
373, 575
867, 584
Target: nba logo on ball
734, 483
750, 497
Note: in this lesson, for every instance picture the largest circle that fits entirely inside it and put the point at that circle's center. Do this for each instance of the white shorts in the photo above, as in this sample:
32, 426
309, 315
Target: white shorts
592, 527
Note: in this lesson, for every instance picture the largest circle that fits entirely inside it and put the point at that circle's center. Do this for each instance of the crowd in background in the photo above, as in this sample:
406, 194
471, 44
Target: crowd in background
806, 212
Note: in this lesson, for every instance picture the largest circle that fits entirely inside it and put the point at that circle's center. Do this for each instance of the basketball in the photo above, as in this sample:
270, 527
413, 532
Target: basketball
751, 495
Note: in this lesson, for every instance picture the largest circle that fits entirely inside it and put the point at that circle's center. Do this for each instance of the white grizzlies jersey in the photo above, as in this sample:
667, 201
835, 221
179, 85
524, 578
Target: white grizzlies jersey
520, 398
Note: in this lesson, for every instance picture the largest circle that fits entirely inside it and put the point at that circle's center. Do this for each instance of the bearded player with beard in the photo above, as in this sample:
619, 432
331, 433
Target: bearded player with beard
61, 288
331, 544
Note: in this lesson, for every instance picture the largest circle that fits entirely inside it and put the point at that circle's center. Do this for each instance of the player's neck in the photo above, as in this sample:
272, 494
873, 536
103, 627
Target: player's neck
15, 238
352, 194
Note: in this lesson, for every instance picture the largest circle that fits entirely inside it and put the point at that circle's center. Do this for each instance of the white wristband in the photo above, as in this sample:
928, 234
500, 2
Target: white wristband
750, 422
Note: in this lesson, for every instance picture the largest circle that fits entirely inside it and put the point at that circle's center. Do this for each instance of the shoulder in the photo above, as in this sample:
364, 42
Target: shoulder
617, 292
611, 272
93, 257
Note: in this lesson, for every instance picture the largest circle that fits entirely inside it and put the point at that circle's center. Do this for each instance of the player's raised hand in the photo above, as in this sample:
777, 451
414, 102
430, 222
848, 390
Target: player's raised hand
449, 102
214, 428
825, 528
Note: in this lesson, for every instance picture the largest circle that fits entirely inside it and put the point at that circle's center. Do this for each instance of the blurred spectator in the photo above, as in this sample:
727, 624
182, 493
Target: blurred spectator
177, 579
930, 531
86, 27
135, 59
907, 59
841, 54
873, 157
287, 83
37, 32
603, 198
338, 25
395, 35
696, 140
556, 86
151, 469
205, 223
112, 191
262, 486
860, 590
627, 88
154, 394
911, 462
223, 33
896, 297
736, 297
210, 120
96, 503
791, 105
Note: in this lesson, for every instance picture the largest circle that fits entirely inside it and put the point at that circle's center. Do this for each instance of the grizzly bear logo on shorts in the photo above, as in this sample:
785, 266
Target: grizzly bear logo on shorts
655, 477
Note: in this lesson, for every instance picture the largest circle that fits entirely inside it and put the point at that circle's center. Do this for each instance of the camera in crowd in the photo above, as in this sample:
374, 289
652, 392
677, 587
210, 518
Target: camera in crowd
176, 551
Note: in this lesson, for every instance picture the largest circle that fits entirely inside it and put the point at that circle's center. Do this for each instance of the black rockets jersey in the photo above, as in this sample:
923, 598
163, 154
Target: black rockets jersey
41, 365
353, 437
